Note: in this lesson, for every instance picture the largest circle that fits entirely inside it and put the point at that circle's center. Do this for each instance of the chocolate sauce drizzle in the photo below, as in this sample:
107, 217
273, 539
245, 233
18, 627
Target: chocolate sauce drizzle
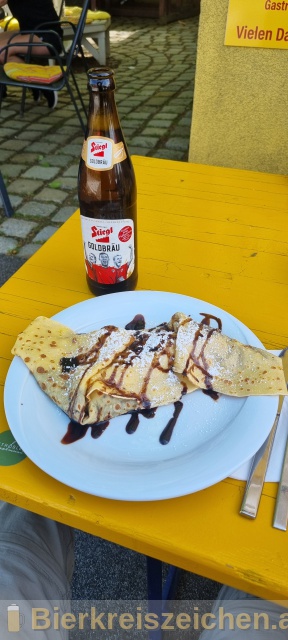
136, 324
200, 361
166, 434
89, 357
76, 431
133, 422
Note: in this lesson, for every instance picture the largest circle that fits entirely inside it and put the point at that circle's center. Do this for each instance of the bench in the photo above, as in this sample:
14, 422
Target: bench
93, 31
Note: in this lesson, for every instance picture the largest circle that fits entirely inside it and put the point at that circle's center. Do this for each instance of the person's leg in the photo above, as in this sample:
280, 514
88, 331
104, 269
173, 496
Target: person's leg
237, 615
36, 566
15, 52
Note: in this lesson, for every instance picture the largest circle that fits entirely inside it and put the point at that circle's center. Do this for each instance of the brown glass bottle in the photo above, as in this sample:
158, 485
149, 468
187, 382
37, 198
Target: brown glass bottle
107, 194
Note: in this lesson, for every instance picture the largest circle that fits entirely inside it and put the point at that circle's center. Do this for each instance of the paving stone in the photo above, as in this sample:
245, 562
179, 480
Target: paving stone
51, 195
7, 244
11, 170
27, 250
17, 228
167, 153
44, 234
5, 154
68, 183
36, 209
63, 214
69, 130
40, 147
146, 142
186, 121
42, 173
73, 149
28, 135
14, 145
168, 117
72, 171
39, 126
57, 117
24, 158
7, 113
57, 160
158, 132
177, 143
25, 186
129, 132
181, 132
15, 200
139, 151
6, 132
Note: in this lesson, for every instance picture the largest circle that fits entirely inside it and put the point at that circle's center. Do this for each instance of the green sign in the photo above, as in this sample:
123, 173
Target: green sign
10, 452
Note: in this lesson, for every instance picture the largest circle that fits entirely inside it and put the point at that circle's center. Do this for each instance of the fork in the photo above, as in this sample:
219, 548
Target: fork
257, 473
281, 509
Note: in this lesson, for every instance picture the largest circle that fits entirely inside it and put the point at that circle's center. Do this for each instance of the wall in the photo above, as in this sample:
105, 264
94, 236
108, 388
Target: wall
240, 110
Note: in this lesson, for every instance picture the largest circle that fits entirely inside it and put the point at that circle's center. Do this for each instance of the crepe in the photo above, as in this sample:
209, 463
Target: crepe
213, 361
96, 376
143, 371
62, 362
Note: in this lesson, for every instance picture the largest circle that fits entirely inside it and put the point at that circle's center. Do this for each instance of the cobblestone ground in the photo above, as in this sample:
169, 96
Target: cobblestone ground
154, 70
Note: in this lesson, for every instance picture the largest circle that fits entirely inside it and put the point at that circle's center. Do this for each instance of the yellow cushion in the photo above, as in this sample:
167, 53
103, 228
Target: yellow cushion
33, 72
73, 15
13, 24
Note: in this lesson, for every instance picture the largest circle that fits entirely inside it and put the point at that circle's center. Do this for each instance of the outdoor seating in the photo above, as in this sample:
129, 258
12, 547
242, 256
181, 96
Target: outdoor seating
63, 60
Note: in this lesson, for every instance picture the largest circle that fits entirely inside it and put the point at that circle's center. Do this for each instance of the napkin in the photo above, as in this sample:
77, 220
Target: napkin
275, 464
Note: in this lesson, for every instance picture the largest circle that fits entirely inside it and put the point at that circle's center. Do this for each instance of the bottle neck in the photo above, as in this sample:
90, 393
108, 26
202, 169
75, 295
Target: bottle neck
103, 117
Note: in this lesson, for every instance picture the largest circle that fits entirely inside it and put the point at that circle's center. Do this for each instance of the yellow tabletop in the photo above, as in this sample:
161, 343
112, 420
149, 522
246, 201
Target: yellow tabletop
216, 234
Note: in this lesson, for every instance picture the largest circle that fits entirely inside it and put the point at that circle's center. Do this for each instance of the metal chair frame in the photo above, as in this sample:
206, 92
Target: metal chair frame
5, 198
63, 59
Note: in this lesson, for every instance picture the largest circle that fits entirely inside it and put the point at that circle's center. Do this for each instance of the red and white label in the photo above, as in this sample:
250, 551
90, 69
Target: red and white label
109, 249
101, 154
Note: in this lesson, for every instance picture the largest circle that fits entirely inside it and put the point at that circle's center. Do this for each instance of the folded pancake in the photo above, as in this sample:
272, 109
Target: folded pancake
96, 376
213, 361
143, 371
60, 359
105, 373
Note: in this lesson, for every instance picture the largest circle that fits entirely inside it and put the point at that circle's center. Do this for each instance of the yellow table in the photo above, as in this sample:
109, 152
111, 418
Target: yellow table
216, 234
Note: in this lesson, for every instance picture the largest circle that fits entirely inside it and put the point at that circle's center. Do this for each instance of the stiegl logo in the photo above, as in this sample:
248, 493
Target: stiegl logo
102, 235
98, 149
99, 153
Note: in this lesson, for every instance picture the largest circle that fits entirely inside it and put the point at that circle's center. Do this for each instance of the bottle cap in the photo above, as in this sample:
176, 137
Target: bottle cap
101, 78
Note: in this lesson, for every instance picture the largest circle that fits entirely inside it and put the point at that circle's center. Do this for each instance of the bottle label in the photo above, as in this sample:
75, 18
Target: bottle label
100, 153
108, 249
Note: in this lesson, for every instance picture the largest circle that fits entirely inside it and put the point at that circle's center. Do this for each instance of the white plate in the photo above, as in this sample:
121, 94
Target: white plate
210, 440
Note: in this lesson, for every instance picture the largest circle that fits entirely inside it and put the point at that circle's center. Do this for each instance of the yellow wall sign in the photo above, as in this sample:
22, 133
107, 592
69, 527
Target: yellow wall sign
257, 23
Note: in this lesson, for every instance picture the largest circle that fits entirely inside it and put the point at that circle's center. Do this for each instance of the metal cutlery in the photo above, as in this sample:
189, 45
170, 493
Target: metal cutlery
257, 473
281, 509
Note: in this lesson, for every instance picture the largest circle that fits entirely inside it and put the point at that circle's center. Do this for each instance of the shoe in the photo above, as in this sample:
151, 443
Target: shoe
36, 95
51, 97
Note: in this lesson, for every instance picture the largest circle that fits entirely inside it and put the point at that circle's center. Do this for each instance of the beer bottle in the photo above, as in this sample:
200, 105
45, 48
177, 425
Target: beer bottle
107, 193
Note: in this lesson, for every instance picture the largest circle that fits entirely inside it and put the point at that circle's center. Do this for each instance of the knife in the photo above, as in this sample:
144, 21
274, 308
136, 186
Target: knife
281, 510
257, 473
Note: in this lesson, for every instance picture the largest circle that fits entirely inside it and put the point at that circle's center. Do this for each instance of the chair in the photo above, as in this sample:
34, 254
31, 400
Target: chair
63, 59
5, 198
